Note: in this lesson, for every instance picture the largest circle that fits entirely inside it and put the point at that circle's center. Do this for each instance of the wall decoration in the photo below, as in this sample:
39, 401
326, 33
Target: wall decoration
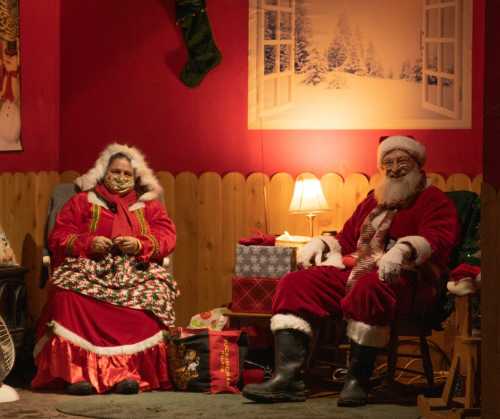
203, 54
10, 115
359, 64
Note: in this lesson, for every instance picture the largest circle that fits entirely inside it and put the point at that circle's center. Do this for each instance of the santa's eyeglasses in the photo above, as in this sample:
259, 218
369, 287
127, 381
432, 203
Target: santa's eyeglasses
400, 162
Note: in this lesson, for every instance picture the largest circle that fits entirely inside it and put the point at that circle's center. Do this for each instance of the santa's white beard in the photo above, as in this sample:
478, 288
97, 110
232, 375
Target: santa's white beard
391, 191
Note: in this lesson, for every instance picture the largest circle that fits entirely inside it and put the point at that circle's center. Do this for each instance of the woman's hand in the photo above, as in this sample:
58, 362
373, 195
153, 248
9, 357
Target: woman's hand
100, 245
128, 245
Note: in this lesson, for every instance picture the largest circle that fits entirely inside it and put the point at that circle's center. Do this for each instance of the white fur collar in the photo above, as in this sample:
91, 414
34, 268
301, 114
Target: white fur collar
144, 175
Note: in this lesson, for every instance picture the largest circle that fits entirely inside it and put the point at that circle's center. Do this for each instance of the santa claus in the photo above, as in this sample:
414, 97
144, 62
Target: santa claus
370, 273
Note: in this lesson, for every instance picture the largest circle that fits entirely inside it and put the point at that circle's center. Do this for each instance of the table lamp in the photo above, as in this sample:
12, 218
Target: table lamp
308, 199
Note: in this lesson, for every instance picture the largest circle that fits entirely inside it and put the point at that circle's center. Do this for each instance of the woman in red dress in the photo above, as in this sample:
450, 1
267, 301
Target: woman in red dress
110, 298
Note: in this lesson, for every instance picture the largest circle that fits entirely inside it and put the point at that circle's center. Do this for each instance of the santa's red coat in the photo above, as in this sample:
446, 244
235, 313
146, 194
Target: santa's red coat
320, 291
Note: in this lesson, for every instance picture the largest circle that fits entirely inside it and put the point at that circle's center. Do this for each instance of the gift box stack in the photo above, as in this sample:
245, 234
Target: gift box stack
257, 272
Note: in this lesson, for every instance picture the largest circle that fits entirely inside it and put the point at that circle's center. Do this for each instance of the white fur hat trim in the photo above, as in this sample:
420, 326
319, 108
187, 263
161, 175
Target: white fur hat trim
400, 142
146, 177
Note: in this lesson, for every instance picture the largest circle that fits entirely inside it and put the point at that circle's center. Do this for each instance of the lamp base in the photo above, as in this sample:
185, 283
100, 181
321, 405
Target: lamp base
311, 223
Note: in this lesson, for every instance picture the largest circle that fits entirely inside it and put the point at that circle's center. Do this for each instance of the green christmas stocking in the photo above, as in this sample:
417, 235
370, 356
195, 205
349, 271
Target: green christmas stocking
204, 55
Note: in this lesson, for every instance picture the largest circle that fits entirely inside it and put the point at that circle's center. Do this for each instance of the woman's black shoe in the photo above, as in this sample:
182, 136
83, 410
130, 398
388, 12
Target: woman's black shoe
82, 388
127, 387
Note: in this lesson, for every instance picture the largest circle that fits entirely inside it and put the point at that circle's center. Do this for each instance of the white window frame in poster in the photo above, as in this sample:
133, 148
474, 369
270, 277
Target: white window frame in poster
436, 79
282, 97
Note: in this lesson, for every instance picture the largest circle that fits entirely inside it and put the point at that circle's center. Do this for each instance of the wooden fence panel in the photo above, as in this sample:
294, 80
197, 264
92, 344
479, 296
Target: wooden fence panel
477, 183
186, 252
437, 180
333, 188
167, 182
213, 292
356, 186
280, 194
256, 202
458, 182
69, 176
233, 220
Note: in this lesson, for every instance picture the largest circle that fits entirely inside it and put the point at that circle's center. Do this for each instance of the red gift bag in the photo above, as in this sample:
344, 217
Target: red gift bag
206, 360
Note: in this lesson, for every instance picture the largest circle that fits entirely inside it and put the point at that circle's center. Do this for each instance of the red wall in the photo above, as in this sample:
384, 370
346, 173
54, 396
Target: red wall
119, 66
40, 84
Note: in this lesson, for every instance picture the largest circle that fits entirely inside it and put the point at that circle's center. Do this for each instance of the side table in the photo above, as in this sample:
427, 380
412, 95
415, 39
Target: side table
13, 301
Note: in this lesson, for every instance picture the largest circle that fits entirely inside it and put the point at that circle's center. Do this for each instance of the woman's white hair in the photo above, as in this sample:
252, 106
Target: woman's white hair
143, 174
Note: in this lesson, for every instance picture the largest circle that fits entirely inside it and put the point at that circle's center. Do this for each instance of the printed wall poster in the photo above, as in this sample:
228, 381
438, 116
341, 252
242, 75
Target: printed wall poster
10, 115
359, 64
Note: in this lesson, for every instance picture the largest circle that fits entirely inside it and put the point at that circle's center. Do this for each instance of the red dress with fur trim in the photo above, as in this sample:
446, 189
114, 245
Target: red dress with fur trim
80, 338
321, 291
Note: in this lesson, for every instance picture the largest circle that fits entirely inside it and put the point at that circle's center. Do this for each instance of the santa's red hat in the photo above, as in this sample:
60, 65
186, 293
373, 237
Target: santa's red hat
400, 142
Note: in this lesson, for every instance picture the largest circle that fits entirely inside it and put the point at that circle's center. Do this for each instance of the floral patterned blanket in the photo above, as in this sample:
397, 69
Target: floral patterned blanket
122, 281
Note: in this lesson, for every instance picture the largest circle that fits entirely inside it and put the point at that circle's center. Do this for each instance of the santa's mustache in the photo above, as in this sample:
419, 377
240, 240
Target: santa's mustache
392, 190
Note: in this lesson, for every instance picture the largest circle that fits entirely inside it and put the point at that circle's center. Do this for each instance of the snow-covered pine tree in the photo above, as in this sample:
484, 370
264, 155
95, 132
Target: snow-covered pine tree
373, 66
355, 63
302, 36
336, 53
340, 46
416, 70
405, 72
316, 68
360, 48
270, 24
379, 72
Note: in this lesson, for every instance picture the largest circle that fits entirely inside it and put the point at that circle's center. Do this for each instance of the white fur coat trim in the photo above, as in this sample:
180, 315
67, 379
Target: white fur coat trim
400, 142
421, 246
367, 335
59, 330
146, 177
290, 321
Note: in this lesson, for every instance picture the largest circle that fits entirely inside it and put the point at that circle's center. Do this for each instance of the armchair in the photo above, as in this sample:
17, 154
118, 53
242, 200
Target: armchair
467, 251
60, 195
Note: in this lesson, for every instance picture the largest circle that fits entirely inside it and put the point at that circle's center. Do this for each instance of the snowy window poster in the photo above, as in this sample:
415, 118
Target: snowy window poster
359, 64
10, 116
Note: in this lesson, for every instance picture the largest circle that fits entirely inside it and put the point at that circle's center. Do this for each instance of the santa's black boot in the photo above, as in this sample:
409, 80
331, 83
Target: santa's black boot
356, 385
287, 383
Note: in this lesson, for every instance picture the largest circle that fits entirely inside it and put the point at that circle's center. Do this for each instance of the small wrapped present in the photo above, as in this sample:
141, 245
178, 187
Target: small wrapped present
264, 261
287, 240
7, 257
253, 295
212, 320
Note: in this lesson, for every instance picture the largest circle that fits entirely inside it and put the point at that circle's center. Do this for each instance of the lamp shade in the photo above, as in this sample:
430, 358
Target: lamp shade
308, 197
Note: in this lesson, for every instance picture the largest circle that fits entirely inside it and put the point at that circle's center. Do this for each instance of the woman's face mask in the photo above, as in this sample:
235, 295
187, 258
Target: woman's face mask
119, 177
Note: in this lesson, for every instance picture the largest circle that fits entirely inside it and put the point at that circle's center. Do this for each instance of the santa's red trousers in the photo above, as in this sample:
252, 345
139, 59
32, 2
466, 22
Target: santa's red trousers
319, 292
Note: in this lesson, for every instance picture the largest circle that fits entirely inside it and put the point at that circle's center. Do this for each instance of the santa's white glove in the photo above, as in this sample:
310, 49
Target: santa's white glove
334, 256
311, 253
389, 265
333, 259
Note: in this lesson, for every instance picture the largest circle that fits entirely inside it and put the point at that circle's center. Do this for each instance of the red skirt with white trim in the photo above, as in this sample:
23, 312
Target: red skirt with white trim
83, 339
